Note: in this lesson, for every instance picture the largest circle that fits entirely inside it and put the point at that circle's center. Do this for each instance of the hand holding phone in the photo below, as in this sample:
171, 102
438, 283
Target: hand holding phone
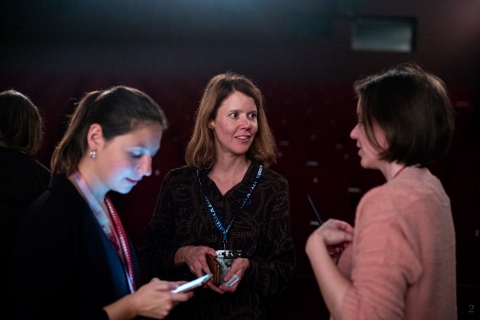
193, 284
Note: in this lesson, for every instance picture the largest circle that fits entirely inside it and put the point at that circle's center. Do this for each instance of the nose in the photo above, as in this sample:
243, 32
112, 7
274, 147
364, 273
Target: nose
354, 132
145, 167
246, 122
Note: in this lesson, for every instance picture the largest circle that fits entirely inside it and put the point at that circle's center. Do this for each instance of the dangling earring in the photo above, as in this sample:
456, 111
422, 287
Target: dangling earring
92, 154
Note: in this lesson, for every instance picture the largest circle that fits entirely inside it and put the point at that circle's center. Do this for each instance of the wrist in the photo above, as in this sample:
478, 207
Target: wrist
134, 305
125, 308
315, 243
247, 263
178, 258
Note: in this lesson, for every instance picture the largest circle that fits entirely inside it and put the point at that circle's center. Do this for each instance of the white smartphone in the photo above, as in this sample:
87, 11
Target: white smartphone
192, 284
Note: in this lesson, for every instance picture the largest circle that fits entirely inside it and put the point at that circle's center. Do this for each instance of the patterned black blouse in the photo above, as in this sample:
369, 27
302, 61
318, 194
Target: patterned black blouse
261, 230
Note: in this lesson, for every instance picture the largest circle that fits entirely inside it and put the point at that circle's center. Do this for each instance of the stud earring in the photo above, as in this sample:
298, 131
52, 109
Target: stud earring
92, 154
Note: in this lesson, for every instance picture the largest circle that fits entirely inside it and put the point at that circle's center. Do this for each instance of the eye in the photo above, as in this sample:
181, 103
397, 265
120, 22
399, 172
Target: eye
252, 115
135, 154
233, 115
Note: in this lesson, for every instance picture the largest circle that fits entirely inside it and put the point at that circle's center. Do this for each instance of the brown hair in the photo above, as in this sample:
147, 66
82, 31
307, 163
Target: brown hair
412, 108
118, 110
200, 151
20, 123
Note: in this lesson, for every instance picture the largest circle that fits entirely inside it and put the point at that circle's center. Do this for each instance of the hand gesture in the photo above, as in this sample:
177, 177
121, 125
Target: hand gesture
195, 257
155, 299
238, 269
334, 234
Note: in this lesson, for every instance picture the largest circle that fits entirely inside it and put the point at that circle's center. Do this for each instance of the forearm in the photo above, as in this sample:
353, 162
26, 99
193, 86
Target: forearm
179, 257
333, 285
122, 309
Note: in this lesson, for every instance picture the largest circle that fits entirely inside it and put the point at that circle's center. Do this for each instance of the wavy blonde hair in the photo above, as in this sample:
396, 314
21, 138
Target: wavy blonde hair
200, 151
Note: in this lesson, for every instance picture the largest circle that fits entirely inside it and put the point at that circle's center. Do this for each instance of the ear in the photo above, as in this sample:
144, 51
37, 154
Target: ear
211, 125
95, 137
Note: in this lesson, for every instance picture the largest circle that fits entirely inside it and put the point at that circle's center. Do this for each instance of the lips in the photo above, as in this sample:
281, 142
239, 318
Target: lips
243, 137
134, 182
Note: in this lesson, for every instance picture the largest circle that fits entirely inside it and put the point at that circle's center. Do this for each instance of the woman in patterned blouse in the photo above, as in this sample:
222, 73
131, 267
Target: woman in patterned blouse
225, 198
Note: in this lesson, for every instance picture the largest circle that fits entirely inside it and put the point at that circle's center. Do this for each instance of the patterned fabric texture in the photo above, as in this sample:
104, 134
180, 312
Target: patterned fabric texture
261, 230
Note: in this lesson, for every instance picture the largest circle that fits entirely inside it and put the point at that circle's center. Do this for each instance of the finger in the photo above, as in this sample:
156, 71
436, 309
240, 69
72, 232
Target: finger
199, 273
197, 268
230, 288
205, 268
210, 251
344, 226
157, 284
183, 296
214, 288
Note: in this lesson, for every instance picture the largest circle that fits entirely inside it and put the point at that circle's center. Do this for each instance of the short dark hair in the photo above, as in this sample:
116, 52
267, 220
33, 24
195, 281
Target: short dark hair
412, 107
118, 110
20, 123
200, 151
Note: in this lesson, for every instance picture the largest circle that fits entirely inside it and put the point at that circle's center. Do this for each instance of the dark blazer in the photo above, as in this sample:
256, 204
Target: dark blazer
64, 266
22, 180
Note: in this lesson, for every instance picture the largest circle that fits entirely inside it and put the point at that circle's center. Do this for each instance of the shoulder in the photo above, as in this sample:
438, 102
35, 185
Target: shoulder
273, 178
414, 191
184, 173
183, 178
273, 175
60, 204
17, 162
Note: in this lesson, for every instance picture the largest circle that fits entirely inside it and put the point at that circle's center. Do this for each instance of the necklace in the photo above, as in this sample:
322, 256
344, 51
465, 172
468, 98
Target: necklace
398, 172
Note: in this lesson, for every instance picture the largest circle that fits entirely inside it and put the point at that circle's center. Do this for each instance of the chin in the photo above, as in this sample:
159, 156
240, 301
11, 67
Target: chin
124, 190
365, 165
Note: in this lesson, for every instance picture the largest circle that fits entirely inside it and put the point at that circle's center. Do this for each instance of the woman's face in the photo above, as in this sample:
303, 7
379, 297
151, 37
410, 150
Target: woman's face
121, 162
368, 153
235, 125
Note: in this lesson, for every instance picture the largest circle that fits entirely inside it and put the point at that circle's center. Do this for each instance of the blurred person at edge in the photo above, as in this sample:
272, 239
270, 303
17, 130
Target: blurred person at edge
72, 258
226, 184
399, 261
22, 177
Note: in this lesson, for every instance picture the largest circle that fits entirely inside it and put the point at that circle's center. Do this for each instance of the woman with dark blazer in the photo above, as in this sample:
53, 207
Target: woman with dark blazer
72, 258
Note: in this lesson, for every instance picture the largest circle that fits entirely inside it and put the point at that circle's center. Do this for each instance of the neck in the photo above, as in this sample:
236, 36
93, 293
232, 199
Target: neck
96, 187
230, 166
392, 169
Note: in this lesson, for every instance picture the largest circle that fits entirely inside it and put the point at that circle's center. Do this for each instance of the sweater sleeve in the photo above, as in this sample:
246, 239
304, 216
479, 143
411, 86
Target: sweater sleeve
272, 268
384, 260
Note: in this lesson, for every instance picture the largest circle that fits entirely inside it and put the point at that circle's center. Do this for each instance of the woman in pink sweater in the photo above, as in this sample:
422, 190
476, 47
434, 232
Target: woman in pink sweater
399, 261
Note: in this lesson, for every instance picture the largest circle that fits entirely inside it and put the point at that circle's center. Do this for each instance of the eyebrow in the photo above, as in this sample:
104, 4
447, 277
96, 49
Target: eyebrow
238, 111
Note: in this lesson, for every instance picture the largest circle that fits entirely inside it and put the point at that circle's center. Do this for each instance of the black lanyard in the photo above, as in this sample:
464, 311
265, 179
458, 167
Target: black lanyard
211, 210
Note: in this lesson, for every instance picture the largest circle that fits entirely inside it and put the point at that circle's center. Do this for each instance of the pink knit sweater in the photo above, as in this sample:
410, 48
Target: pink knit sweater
402, 258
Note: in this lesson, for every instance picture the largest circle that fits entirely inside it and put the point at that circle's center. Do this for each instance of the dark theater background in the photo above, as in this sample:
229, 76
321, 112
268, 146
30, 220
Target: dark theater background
303, 54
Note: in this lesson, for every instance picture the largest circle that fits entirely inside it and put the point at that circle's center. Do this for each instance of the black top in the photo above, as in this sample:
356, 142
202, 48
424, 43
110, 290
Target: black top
64, 266
262, 231
22, 180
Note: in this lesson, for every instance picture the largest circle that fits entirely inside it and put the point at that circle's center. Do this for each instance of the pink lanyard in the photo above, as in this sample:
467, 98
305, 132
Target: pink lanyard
113, 228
